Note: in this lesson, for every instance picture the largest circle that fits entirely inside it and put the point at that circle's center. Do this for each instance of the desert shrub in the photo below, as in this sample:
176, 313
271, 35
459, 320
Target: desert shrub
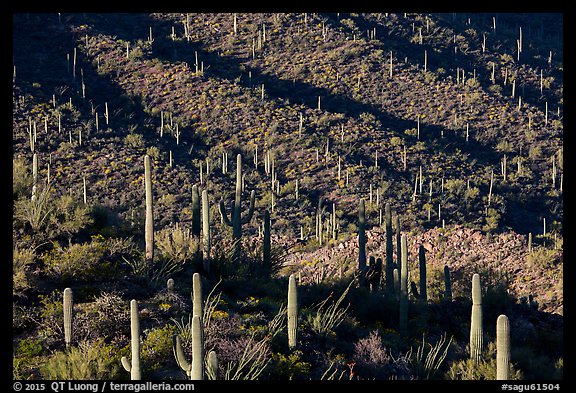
177, 243
89, 361
21, 260
156, 349
153, 152
82, 261
21, 179
542, 258
135, 141
485, 369
69, 216
107, 316
291, 366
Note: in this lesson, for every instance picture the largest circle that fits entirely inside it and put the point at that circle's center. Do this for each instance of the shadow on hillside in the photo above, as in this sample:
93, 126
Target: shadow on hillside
136, 26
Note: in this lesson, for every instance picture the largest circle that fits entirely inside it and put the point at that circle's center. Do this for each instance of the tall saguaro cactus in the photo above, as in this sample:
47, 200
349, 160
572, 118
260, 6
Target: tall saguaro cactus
404, 287
206, 239
422, 260
389, 268
447, 284
133, 366
68, 304
236, 220
195, 212
266, 247
476, 330
361, 237
502, 348
149, 224
292, 311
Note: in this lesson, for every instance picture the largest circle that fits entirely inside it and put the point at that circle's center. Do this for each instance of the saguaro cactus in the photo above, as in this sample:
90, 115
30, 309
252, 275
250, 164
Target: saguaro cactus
447, 284
404, 287
476, 330
149, 224
195, 212
236, 220
206, 239
133, 367
389, 250
292, 311
502, 348
197, 295
361, 237
195, 369
212, 366
422, 260
266, 247
68, 305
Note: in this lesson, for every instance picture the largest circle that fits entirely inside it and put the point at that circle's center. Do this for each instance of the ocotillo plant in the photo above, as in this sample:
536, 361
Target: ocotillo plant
197, 295
133, 367
361, 237
236, 220
422, 260
404, 288
195, 212
476, 330
292, 311
195, 369
149, 224
68, 305
389, 251
447, 284
502, 348
206, 239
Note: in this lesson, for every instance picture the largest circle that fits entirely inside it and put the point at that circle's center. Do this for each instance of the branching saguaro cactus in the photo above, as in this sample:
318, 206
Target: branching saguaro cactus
68, 304
195, 369
236, 220
476, 330
502, 348
149, 223
361, 237
292, 311
206, 239
422, 261
133, 366
404, 287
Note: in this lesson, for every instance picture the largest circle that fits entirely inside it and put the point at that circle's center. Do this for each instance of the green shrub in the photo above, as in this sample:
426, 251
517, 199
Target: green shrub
485, 369
289, 366
135, 141
177, 243
21, 179
21, 260
89, 361
78, 262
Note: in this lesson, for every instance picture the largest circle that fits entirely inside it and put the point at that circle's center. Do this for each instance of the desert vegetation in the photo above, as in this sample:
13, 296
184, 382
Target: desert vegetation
274, 196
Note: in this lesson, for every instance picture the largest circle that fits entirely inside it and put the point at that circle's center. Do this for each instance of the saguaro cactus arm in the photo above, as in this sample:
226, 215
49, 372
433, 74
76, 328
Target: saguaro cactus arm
180, 356
133, 367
